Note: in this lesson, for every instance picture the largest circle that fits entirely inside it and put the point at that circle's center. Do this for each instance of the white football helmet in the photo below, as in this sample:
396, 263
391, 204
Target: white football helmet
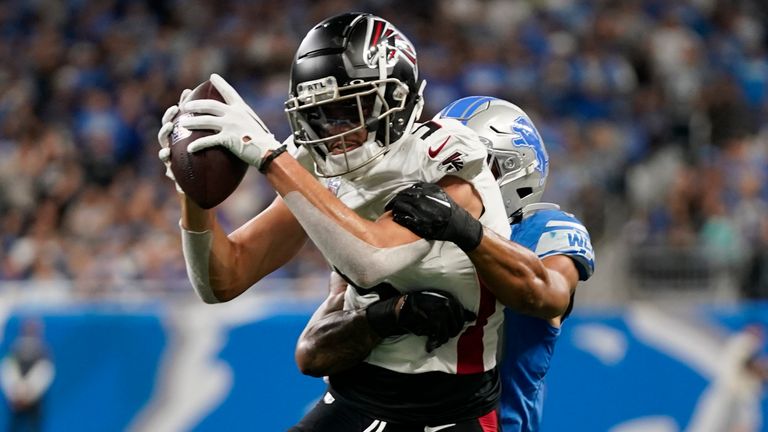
516, 152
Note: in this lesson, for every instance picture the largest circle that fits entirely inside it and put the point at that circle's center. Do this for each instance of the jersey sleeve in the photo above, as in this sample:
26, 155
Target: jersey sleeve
553, 232
449, 148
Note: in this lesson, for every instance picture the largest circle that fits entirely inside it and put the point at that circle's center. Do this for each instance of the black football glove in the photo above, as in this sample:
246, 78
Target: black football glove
432, 313
430, 213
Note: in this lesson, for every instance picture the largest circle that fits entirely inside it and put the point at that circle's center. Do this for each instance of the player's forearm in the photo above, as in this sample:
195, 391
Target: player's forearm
286, 175
207, 245
517, 277
193, 217
335, 343
364, 251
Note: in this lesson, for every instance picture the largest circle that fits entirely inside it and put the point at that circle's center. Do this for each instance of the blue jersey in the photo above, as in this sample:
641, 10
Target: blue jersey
529, 342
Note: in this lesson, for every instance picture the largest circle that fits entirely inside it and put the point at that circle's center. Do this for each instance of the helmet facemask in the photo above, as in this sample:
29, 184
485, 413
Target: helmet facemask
340, 125
519, 178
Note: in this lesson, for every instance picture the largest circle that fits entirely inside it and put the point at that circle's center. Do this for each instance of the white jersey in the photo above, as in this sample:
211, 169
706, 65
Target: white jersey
432, 151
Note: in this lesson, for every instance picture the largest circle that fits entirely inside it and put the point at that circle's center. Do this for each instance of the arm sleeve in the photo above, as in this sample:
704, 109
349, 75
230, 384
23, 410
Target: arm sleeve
197, 251
364, 264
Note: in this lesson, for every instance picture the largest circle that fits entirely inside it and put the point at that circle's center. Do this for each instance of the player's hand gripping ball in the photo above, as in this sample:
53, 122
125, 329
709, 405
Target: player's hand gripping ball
210, 175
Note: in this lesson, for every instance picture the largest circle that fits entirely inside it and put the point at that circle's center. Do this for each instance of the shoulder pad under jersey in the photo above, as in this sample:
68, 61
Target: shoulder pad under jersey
447, 147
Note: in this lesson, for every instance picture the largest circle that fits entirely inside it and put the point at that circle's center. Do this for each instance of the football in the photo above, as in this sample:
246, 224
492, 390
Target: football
210, 175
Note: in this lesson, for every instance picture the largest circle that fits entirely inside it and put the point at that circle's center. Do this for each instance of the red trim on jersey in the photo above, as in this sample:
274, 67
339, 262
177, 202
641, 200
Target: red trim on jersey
489, 422
470, 345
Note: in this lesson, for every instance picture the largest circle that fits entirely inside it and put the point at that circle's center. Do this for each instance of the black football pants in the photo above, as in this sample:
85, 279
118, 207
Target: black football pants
331, 415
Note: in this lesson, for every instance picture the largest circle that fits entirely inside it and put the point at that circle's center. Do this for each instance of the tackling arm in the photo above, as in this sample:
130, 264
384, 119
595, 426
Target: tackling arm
513, 273
522, 281
334, 340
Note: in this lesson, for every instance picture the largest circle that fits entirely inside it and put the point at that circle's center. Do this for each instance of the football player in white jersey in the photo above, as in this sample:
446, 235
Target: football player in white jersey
538, 268
355, 97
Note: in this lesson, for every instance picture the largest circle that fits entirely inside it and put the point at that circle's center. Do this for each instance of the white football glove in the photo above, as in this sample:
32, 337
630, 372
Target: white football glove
164, 137
238, 128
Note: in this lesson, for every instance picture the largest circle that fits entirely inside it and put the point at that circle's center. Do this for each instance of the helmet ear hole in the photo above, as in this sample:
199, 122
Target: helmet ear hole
524, 192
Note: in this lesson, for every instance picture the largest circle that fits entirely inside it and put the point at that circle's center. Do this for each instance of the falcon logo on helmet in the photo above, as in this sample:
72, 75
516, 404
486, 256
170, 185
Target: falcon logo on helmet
396, 45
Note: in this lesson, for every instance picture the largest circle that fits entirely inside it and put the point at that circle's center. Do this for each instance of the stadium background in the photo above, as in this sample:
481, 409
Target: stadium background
653, 113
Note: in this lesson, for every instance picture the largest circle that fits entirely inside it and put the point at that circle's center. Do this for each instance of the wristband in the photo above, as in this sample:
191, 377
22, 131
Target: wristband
472, 238
463, 230
268, 160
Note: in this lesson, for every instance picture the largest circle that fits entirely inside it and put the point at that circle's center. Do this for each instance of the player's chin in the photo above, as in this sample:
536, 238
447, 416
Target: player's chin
339, 148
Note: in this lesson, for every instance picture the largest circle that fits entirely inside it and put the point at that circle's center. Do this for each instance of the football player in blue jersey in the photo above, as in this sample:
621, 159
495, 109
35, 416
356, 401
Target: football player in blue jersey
534, 272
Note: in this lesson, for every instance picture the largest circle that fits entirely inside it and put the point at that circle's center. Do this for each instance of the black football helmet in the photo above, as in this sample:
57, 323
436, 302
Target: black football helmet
354, 74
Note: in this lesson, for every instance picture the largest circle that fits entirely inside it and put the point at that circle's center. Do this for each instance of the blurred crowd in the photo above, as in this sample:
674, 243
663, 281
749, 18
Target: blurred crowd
653, 113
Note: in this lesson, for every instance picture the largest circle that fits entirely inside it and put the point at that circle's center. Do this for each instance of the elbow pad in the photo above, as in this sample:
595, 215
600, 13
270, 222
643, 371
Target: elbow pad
363, 263
197, 251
